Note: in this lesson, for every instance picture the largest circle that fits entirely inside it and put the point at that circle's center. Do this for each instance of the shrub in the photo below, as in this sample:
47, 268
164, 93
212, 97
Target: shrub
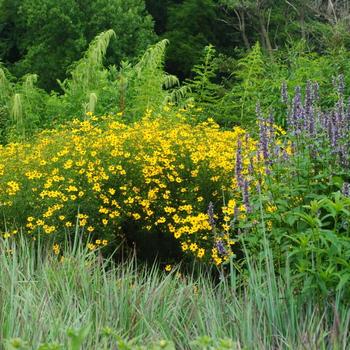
300, 209
120, 181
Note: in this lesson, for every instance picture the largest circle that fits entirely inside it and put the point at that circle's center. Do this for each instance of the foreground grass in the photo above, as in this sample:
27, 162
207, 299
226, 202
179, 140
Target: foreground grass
41, 297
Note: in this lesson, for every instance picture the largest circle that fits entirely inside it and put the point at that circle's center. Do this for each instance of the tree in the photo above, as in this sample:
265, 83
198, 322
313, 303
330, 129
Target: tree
53, 34
259, 10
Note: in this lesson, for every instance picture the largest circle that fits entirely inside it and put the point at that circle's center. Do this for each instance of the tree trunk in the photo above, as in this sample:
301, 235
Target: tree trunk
302, 23
265, 35
243, 31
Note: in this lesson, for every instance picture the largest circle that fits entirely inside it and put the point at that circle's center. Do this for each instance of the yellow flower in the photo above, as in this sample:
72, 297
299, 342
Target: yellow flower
271, 208
111, 191
168, 268
161, 220
56, 248
193, 247
184, 246
91, 246
40, 222
200, 253
269, 225
136, 216
177, 234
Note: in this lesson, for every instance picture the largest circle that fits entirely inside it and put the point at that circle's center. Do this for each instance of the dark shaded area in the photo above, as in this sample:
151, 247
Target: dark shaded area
151, 245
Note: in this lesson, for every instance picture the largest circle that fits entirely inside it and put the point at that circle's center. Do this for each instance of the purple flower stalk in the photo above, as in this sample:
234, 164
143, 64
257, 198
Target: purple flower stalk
346, 189
341, 85
263, 137
309, 121
239, 164
246, 196
297, 117
251, 166
284, 93
211, 215
320, 132
220, 247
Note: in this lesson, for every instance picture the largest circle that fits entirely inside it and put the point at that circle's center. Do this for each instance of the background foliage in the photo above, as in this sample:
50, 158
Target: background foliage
209, 133
46, 37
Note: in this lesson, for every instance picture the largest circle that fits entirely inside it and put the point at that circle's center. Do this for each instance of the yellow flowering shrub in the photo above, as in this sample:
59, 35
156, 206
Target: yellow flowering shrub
101, 173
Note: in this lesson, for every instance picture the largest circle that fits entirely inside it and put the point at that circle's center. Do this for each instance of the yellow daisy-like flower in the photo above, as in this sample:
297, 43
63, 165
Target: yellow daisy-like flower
56, 248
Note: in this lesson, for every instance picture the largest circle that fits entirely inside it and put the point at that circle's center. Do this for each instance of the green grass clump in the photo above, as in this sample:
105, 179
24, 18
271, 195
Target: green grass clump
43, 299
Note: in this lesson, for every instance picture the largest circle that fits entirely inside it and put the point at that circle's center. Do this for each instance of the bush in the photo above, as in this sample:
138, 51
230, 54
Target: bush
156, 178
300, 208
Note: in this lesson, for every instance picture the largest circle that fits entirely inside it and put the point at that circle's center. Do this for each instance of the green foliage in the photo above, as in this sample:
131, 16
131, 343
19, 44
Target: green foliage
319, 250
300, 209
202, 89
244, 96
150, 84
89, 79
91, 87
5, 96
21, 106
191, 25
59, 32
258, 79
86, 301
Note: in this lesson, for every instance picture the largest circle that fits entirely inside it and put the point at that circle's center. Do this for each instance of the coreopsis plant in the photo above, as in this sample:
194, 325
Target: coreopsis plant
113, 180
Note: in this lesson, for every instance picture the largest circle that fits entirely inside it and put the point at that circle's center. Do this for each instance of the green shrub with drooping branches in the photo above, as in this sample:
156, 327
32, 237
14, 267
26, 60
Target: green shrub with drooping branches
91, 87
45, 37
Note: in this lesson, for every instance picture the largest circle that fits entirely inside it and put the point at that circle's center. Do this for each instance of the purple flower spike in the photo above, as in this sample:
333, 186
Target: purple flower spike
309, 122
220, 247
211, 215
297, 118
246, 196
346, 189
341, 85
284, 93
239, 164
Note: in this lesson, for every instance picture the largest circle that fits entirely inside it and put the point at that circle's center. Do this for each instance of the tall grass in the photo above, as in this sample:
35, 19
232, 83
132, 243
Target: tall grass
41, 296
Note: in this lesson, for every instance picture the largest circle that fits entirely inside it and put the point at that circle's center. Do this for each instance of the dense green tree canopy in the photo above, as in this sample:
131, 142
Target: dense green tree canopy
46, 36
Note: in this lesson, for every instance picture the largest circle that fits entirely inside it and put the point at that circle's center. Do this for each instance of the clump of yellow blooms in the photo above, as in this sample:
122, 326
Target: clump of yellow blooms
99, 173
